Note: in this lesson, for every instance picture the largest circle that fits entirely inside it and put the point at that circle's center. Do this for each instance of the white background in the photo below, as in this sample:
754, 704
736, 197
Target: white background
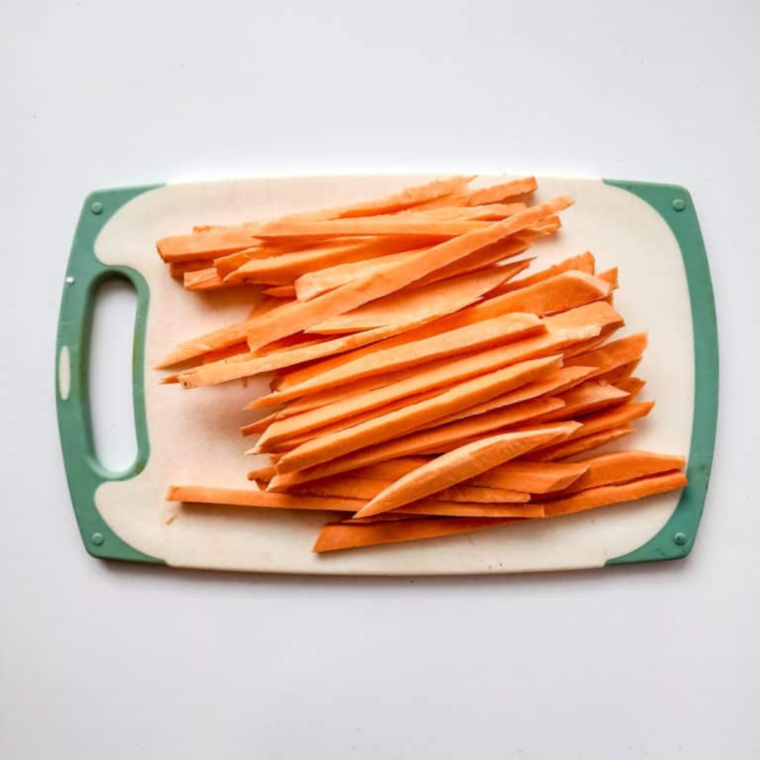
99, 660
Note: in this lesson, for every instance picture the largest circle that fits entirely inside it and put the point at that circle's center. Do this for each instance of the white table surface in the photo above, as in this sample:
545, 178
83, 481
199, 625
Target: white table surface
100, 660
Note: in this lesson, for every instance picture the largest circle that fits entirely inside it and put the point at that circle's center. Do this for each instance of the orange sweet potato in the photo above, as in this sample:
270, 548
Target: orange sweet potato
391, 425
462, 464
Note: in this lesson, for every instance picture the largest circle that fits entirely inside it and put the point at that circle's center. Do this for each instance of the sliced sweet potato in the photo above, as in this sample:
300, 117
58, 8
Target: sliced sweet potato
288, 267
275, 441
375, 225
612, 355
554, 383
590, 396
462, 464
440, 374
254, 498
417, 303
179, 268
346, 536
257, 363
535, 477
582, 444
521, 476
622, 467
598, 313
437, 439
494, 193
392, 425
610, 276
367, 488
205, 245
301, 316
507, 329
281, 291
203, 279
584, 262
409, 197
614, 494
620, 373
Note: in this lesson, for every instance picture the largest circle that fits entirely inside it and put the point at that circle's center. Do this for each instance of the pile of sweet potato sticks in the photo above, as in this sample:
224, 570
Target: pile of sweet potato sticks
422, 388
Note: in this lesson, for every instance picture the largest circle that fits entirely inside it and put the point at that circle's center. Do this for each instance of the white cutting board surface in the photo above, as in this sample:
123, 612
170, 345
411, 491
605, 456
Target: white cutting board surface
194, 437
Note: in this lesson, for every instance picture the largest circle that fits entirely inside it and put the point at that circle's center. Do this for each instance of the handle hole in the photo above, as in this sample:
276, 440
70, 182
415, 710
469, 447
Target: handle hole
110, 374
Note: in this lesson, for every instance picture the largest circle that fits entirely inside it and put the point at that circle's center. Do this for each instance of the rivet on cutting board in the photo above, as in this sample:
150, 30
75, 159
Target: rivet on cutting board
97, 207
680, 538
679, 204
69, 280
97, 539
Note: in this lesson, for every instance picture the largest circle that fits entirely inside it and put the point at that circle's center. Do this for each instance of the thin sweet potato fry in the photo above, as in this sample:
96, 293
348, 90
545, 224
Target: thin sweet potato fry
347, 536
598, 422
496, 253
390, 469
259, 362
462, 464
204, 245
535, 477
251, 497
179, 268
262, 474
202, 279
392, 425
390, 449
553, 382
631, 385
502, 191
409, 197
256, 363
367, 488
461, 509
508, 329
219, 339
376, 454
521, 476
615, 494
218, 241
313, 284
374, 225
620, 373
527, 348
225, 353
583, 444
494, 193
334, 395
417, 303
597, 313
278, 443
440, 374
437, 439
584, 262
351, 536
590, 396
285, 269
254, 498
622, 467
301, 316
612, 355
281, 291
610, 276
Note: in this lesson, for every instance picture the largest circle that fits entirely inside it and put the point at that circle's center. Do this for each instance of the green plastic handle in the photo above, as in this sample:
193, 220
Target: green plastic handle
84, 276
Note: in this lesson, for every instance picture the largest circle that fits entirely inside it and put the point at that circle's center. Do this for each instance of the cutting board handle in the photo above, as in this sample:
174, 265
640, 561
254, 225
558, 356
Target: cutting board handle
84, 276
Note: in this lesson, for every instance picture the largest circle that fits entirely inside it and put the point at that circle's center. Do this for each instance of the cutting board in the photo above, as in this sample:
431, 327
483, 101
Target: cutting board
649, 231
